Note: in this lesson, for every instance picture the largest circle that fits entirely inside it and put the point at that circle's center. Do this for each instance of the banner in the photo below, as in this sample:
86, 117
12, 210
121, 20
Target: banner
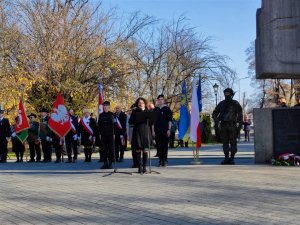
59, 121
184, 113
22, 126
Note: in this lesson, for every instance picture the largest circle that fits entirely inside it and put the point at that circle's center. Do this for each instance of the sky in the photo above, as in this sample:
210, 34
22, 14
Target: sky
231, 23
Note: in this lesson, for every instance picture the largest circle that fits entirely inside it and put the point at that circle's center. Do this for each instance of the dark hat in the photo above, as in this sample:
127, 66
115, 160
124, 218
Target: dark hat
229, 90
1, 111
106, 103
44, 110
160, 96
32, 114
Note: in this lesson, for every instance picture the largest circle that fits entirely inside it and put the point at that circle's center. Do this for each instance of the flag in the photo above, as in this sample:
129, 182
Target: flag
199, 95
59, 121
22, 126
195, 129
184, 113
101, 98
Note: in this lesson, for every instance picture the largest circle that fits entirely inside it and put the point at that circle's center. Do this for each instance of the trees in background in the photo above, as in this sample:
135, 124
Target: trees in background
79, 44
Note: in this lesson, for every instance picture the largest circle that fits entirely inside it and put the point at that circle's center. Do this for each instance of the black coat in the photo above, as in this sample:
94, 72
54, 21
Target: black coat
4, 130
140, 132
85, 135
122, 118
106, 123
71, 133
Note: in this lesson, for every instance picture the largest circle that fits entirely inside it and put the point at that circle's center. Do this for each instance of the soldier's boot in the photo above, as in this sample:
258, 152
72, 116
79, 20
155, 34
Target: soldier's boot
231, 159
145, 161
226, 160
105, 165
139, 161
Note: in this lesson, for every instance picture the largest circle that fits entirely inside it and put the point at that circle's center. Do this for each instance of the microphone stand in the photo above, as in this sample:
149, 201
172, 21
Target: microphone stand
149, 149
114, 151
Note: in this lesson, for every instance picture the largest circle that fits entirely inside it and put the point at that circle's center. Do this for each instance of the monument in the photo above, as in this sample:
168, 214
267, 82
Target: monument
277, 42
277, 49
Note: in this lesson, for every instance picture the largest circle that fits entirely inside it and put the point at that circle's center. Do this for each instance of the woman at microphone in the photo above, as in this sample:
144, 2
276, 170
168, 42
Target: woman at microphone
140, 134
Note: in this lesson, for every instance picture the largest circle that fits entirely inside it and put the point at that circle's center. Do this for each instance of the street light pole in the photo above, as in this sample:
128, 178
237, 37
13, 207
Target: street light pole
239, 83
216, 87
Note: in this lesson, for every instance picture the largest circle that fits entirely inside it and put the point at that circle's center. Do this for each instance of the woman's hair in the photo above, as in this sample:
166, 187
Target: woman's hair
136, 104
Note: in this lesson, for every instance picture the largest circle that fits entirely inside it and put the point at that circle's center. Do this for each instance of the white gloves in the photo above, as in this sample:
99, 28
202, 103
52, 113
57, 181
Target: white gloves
14, 134
75, 137
48, 138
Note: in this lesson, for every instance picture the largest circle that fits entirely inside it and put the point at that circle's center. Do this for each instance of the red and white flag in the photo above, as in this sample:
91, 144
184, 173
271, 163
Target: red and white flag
101, 99
195, 128
59, 121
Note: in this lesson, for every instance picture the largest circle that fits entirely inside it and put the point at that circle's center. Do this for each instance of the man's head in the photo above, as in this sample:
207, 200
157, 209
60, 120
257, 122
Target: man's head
118, 109
71, 112
282, 101
1, 113
86, 113
228, 93
43, 112
32, 117
160, 100
106, 106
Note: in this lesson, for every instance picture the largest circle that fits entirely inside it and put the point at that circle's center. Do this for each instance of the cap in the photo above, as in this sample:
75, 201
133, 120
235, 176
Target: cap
160, 96
44, 110
106, 103
32, 114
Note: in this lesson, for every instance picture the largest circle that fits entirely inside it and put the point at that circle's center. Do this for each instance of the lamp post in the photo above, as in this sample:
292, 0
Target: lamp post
216, 88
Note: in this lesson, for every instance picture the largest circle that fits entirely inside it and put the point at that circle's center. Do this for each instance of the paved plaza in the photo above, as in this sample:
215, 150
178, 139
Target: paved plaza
182, 193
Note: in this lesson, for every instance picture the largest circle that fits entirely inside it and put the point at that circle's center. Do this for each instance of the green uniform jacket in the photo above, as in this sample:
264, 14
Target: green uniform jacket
44, 129
33, 132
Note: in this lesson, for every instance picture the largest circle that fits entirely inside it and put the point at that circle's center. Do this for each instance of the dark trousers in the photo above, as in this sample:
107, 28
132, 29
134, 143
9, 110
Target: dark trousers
19, 149
71, 144
3, 151
34, 149
119, 148
229, 135
247, 135
88, 151
162, 142
107, 147
172, 140
58, 151
47, 150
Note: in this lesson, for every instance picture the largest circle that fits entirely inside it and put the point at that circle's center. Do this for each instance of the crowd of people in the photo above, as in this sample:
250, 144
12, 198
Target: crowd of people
110, 132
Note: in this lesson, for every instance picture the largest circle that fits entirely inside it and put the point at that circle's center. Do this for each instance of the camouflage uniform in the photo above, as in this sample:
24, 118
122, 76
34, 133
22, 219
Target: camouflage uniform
229, 114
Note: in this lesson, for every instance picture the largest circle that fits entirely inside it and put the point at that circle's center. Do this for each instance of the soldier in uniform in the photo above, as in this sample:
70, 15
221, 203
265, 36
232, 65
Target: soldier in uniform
33, 142
162, 130
72, 138
229, 113
120, 134
87, 130
4, 136
45, 135
106, 134
17, 146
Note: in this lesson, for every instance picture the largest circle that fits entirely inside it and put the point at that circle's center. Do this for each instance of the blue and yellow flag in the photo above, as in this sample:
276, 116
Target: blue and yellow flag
184, 113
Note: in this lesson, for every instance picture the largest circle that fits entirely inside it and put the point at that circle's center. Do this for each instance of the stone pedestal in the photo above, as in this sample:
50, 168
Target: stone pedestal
276, 131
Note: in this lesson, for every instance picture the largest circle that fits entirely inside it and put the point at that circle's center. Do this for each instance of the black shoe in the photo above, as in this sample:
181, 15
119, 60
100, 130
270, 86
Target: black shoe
69, 161
225, 162
31, 161
17, 161
104, 166
145, 169
21, 160
57, 161
231, 161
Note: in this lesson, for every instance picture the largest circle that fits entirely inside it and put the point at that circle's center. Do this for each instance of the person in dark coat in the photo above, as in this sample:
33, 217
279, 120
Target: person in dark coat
162, 129
45, 135
120, 134
140, 135
71, 138
107, 128
87, 131
297, 101
4, 136
17, 146
33, 139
